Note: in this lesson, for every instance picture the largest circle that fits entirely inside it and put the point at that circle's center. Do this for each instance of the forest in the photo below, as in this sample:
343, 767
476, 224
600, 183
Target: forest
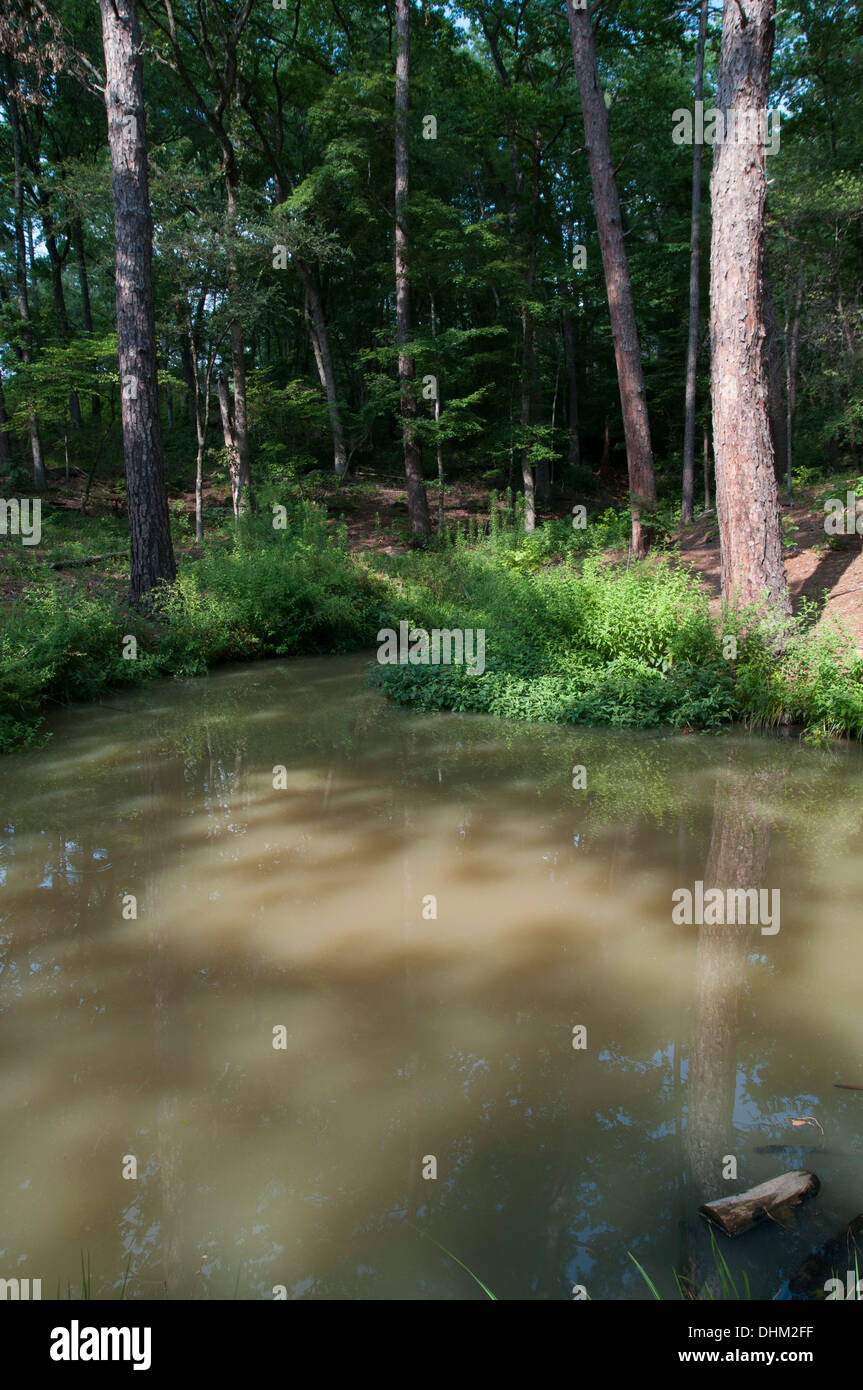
430, 314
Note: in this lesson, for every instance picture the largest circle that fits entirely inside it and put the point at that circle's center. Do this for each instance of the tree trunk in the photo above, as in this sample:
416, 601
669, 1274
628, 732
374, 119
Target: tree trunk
323, 357
241, 482
536, 485
241, 422
848, 341
639, 455
791, 354
83, 278
186, 358
572, 389
606, 473
230, 438
57, 292
527, 479
39, 478
202, 421
747, 498
151, 553
34, 279
738, 858
706, 467
441, 504
418, 511
776, 406
694, 297
5, 449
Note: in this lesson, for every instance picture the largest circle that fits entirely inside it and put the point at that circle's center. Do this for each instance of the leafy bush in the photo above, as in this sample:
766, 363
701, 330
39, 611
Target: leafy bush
264, 592
56, 647
268, 593
599, 644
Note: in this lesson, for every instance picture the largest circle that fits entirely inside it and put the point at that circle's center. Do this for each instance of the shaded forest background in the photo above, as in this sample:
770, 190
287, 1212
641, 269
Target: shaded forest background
272, 190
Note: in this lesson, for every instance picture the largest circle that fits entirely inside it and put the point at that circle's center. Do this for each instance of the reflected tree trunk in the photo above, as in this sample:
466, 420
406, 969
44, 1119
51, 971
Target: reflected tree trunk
738, 858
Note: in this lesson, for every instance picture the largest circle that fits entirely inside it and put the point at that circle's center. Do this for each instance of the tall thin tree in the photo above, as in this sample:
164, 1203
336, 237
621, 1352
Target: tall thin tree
630, 376
27, 339
152, 555
694, 287
418, 510
747, 498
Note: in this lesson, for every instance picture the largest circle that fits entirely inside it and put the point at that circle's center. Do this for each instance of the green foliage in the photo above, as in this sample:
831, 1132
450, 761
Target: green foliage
588, 642
596, 644
814, 678
58, 646
268, 593
261, 592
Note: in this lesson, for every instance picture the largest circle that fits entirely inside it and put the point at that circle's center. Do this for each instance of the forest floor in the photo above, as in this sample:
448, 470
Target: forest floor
377, 520
373, 510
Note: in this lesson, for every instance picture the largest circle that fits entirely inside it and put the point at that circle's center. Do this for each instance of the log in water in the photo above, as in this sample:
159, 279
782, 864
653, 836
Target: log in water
775, 1199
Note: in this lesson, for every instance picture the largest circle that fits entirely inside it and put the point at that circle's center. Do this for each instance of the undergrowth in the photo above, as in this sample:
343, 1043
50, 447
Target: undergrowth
571, 635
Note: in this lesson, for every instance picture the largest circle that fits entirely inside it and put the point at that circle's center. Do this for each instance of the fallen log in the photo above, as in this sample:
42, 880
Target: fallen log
88, 560
774, 1200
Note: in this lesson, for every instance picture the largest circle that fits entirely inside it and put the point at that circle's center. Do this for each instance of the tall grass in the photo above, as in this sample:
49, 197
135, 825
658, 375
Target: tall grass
728, 1290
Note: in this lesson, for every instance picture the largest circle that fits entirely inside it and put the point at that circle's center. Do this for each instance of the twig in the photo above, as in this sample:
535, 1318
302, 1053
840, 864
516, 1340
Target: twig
840, 592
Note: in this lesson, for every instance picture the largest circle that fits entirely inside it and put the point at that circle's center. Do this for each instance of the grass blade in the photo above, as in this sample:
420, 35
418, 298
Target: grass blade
645, 1276
473, 1276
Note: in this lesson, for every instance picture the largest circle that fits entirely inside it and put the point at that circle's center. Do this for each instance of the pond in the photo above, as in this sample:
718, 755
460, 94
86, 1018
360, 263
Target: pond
297, 1030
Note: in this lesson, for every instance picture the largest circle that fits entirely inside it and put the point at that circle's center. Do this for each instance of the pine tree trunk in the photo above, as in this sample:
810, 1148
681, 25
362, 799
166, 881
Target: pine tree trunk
775, 386
747, 498
418, 512
694, 296
639, 455
151, 553
324, 360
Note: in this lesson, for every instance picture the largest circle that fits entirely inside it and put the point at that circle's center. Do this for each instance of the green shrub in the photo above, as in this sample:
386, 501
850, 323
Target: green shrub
603, 644
264, 592
55, 646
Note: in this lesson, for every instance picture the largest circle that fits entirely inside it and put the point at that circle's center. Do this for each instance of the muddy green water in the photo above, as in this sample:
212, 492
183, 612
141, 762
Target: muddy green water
408, 1036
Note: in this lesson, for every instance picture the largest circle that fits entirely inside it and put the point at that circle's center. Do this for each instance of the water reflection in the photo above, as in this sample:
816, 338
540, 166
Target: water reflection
410, 1035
